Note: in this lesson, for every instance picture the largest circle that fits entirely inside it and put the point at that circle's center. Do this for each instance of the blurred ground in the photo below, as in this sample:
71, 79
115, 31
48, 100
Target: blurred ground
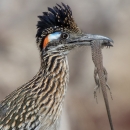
19, 58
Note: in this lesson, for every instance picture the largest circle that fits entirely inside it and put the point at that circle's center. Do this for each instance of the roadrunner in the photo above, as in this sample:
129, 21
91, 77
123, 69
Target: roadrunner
37, 105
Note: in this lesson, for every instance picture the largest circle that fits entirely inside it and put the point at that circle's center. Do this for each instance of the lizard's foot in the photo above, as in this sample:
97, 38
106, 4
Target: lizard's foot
95, 92
105, 74
109, 90
95, 96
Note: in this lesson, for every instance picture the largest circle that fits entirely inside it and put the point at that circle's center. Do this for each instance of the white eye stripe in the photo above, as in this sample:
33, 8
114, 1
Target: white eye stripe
54, 36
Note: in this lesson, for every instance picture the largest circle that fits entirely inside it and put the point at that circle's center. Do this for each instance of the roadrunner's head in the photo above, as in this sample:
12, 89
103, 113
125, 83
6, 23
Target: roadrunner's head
58, 32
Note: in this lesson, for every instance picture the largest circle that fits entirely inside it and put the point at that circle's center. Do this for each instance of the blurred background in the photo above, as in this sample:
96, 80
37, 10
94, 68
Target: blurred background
19, 58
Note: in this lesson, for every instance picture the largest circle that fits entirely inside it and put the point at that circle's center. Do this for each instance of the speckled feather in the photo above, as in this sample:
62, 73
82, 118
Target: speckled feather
37, 105
57, 19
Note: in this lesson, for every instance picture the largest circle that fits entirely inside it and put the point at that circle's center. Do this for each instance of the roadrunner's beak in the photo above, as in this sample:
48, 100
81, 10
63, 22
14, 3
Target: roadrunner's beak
87, 39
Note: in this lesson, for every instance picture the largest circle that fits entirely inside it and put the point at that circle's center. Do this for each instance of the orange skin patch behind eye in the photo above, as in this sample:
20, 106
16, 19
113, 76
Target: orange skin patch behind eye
46, 40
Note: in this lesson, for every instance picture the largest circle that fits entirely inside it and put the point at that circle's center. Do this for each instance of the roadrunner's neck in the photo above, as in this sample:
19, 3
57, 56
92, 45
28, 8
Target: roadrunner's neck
54, 77
43, 95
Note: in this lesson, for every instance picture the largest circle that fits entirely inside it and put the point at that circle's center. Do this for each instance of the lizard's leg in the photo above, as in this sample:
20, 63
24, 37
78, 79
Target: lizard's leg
105, 74
96, 78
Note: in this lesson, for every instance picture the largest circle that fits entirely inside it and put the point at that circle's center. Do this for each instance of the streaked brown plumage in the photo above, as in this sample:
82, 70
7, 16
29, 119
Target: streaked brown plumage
43, 95
37, 105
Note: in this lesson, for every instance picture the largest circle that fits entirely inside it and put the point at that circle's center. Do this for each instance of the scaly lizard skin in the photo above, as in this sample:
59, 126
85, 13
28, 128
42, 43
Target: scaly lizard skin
96, 78
100, 74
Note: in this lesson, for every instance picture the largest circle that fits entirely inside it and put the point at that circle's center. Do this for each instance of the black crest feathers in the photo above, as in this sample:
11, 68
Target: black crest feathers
58, 18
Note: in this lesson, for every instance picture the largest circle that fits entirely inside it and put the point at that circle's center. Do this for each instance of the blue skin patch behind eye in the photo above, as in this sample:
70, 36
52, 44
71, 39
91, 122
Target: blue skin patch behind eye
54, 36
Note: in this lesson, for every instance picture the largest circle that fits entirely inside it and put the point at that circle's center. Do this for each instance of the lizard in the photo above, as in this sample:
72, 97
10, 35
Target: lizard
100, 73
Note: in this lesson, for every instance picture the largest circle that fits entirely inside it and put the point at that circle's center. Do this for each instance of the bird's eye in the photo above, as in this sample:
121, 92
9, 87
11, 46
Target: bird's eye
64, 35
